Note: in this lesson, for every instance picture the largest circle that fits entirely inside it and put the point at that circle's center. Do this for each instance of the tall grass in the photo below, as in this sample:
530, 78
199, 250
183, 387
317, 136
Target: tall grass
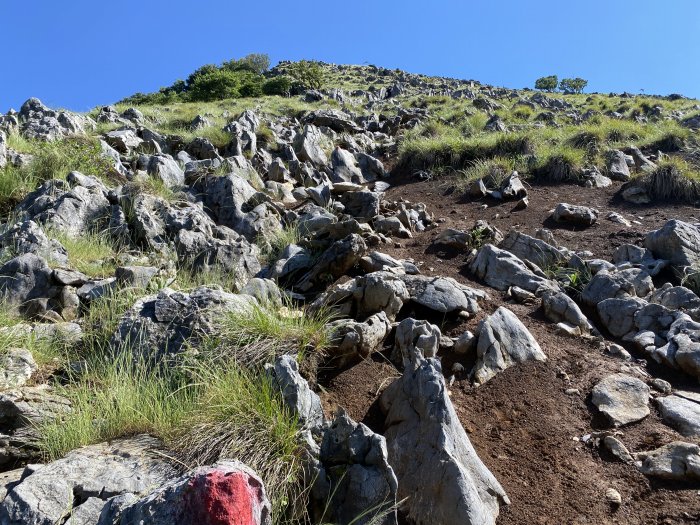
91, 253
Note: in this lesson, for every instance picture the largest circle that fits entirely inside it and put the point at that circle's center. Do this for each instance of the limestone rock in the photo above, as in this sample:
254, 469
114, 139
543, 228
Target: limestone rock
623, 399
503, 342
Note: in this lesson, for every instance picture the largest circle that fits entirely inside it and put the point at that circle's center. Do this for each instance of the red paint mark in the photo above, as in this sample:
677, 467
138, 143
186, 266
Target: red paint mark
220, 498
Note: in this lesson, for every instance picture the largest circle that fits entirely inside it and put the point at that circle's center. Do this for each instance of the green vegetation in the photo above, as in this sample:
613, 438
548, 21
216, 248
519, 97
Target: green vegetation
306, 74
273, 244
50, 160
573, 85
90, 253
548, 83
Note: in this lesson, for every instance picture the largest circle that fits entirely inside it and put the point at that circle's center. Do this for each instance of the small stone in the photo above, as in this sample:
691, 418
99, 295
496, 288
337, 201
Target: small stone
660, 385
572, 392
613, 496
457, 368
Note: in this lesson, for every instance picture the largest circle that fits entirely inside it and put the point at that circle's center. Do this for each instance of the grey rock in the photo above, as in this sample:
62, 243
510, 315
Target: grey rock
308, 145
512, 187
45, 495
163, 168
41, 123
676, 461
16, 367
618, 449
623, 399
579, 215
501, 269
299, 398
617, 168
331, 118
24, 278
159, 326
443, 294
531, 249
391, 226
123, 140
632, 282
135, 276
28, 237
361, 480
617, 314
681, 413
440, 475
415, 340
677, 242
558, 307
363, 205
265, 291
353, 340
335, 261
345, 167
465, 343
504, 341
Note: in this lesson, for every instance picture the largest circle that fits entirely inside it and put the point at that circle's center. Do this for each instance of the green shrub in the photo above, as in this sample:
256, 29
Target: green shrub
547, 83
217, 84
573, 85
280, 85
306, 74
256, 63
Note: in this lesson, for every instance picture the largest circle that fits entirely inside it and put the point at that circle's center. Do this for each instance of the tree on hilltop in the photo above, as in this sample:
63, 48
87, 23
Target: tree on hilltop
547, 83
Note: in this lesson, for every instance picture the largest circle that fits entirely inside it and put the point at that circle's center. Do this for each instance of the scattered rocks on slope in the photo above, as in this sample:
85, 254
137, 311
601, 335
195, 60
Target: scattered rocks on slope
623, 399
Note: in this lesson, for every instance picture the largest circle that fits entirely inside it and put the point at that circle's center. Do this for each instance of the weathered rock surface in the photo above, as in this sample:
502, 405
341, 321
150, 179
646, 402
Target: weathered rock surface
50, 493
501, 269
579, 215
439, 473
676, 461
623, 399
503, 342
682, 413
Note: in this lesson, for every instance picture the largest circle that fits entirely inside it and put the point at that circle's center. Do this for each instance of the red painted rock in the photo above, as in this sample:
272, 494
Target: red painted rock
229, 493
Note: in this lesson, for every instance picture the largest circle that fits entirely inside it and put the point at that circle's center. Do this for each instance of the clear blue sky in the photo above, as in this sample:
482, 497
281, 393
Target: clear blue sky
79, 54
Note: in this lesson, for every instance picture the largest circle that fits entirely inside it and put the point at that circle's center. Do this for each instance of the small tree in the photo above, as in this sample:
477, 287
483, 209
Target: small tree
256, 63
306, 74
547, 83
573, 85
215, 85
279, 85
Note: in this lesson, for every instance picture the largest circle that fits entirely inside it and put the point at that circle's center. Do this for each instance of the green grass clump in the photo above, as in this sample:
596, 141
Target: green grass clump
493, 171
258, 334
15, 333
239, 414
188, 279
273, 244
91, 253
673, 180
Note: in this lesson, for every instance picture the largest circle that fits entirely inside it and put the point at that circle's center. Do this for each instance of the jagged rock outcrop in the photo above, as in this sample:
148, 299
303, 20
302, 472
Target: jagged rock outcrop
438, 470
501, 269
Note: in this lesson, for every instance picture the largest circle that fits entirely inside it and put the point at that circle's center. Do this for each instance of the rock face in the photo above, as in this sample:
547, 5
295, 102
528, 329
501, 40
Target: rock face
622, 399
39, 122
51, 493
437, 468
228, 492
295, 391
503, 342
24, 278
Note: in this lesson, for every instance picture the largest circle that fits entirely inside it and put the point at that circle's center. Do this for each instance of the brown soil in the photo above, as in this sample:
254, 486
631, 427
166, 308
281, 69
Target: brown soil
524, 426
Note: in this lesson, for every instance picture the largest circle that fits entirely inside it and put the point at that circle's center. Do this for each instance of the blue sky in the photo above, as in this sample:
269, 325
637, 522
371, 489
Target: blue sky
79, 54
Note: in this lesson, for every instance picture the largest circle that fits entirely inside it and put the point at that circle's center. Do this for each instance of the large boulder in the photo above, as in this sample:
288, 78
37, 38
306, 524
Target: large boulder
159, 326
623, 399
501, 269
677, 242
443, 295
28, 237
41, 123
578, 215
361, 482
25, 277
682, 412
309, 146
233, 202
631, 282
503, 341
559, 307
228, 492
531, 249
163, 168
52, 493
332, 118
345, 167
74, 207
442, 481
334, 262
354, 340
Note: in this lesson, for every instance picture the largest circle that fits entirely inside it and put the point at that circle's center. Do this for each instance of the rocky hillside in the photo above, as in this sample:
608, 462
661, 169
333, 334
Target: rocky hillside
392, 299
